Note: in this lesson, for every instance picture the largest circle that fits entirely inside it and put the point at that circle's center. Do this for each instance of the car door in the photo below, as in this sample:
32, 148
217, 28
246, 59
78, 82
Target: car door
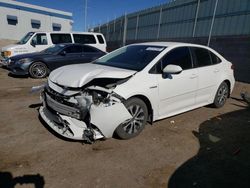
177, 92
207, 73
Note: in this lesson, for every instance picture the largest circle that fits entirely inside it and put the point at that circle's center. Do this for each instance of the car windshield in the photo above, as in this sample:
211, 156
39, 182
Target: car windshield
26, 38
54, 49
134, 57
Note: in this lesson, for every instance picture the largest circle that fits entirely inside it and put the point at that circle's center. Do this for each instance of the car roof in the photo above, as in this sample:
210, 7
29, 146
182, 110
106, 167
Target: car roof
170, 44
65, 32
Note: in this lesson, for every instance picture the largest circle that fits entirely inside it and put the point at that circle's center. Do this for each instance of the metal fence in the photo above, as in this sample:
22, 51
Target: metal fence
181, 19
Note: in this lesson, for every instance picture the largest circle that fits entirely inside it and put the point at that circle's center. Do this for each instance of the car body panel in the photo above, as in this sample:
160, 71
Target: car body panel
79, 75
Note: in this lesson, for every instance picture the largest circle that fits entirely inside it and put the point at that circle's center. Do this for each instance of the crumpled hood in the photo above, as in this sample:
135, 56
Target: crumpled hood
80, 74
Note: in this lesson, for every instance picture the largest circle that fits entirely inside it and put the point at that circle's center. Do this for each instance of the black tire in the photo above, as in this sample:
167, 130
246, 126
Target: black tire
38, 70
134, 126
221, 95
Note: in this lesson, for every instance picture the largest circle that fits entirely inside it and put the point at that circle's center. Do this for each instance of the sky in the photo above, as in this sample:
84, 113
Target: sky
98, 11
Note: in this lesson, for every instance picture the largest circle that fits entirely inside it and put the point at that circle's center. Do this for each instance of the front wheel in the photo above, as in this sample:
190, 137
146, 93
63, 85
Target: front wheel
38, 70
132, 127
221, 95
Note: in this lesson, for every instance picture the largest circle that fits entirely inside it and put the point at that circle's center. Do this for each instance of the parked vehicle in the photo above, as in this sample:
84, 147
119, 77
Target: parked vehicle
121, 91
38, 65
38, 41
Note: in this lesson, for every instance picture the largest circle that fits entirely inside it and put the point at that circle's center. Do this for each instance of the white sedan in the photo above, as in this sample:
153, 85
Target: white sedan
139, 83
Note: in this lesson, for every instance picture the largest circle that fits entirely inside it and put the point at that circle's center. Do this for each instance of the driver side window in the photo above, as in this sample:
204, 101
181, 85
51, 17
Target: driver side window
40, 39
179, 56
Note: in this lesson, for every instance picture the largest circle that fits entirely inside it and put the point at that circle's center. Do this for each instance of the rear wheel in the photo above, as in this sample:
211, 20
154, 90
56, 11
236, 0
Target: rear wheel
38, 70
221, 95
132, 127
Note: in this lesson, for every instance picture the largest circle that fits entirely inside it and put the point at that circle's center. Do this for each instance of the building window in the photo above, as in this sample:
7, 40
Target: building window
36, 24
12, 20
56, 27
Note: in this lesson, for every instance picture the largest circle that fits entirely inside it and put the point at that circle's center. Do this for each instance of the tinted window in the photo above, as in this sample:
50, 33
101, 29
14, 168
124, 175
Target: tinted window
84, 39
215, 58
73, 49
36, 24
56, 27
202, 57
179, 56
100, 39
26, 38
54, 49
12, 20
134, 57
40, 39
60, 38
89, 49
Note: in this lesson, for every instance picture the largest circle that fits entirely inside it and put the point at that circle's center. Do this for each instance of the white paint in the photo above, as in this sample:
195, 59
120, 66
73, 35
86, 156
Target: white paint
80, 74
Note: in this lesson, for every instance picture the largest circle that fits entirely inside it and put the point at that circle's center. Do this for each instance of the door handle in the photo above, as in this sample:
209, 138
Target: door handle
193, 76
216, 70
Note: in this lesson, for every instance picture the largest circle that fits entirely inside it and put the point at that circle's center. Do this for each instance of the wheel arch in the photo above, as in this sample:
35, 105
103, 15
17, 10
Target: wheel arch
148, 104
229, 86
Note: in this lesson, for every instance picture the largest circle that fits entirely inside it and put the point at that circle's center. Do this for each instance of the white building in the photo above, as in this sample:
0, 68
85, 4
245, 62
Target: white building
17, 19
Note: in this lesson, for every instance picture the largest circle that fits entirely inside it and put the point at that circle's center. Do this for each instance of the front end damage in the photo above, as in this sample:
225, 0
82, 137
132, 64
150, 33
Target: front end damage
88, 113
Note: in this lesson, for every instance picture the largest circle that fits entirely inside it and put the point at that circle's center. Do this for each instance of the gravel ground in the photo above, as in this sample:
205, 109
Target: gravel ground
205, 147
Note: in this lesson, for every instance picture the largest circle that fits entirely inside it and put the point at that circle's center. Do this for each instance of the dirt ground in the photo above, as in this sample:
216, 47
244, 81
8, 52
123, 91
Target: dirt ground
205, 147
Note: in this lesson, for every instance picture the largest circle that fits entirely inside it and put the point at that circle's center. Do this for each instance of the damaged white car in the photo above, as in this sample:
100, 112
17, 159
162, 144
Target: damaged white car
122, 91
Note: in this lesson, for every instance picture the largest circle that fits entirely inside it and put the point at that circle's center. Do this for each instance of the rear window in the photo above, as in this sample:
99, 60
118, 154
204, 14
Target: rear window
89, 49
215, 58
84, 39
60, 38
100, 39
202, 57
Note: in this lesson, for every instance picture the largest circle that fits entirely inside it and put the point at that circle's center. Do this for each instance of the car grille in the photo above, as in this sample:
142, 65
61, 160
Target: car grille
2, 54
61, 108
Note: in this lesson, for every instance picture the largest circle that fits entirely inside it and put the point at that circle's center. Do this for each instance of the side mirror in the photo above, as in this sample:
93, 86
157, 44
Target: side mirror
63, 53
172, 69
33, 43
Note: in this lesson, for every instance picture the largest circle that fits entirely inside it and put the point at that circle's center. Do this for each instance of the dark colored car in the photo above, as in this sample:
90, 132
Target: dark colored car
39, 65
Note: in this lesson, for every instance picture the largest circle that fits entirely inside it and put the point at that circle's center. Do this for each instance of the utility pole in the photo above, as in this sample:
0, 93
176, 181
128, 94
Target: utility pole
85, 15
124, 30
212, 24
196, 17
